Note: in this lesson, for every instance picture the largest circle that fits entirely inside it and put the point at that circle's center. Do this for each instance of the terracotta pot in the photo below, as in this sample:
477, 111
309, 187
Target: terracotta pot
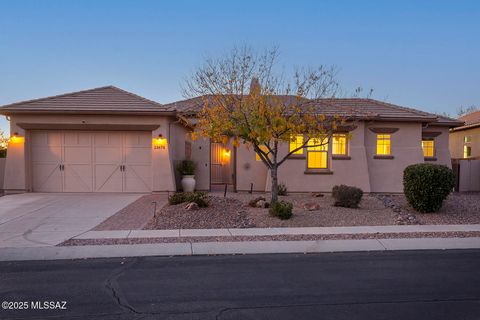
188, 183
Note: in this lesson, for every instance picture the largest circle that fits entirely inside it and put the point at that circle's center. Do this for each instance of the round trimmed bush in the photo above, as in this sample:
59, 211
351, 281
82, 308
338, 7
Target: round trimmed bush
426, 186
347, 196
281, 209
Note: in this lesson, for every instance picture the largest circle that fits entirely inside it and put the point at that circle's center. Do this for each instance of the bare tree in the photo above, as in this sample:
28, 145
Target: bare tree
462, 110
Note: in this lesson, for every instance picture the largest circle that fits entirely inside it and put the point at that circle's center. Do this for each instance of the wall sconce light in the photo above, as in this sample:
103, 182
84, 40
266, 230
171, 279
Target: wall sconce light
16, 138
226, 153
160, 142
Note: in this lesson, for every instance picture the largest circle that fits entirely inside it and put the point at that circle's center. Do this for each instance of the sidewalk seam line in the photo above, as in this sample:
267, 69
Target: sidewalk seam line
381, 243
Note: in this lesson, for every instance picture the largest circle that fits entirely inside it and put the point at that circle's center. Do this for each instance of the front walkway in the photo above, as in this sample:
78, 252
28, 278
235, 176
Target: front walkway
47, 219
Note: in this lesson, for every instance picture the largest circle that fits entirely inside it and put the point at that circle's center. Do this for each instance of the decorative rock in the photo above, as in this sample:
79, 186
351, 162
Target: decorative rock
192, 206
260, 204
253, 202
317, 195
311, 206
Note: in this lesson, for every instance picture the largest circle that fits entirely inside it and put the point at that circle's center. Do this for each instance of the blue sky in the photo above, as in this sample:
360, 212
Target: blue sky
424, 54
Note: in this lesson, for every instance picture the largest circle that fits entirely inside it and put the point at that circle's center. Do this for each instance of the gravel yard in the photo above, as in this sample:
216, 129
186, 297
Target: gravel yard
222, 213
234, 212
458, 208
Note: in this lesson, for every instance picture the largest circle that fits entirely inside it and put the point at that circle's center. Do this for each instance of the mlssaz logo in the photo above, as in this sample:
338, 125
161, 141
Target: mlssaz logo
49, 305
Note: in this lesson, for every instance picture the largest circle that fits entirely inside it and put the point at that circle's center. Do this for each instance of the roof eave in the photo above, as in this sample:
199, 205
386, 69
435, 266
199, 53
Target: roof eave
466, 127
90, 112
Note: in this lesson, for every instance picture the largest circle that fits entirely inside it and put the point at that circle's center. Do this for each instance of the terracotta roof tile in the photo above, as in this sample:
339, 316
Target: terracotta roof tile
471, 118
106, 99
357, 107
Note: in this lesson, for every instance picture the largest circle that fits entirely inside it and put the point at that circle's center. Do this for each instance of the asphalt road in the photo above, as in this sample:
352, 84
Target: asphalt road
377, 285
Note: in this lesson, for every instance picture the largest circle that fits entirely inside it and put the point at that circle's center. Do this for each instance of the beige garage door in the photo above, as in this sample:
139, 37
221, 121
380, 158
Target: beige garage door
91, 161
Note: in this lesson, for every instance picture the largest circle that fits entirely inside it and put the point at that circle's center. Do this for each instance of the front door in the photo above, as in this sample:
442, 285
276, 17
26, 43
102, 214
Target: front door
221, 164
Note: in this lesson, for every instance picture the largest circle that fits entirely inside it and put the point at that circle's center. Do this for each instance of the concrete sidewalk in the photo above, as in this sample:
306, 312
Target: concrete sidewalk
247, 247
179, 233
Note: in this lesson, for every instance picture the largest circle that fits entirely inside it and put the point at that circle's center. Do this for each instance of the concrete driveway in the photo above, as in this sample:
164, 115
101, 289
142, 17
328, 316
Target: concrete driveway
47, 219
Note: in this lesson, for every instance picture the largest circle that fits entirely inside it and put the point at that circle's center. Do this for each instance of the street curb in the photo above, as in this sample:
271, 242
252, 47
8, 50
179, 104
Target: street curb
246, 247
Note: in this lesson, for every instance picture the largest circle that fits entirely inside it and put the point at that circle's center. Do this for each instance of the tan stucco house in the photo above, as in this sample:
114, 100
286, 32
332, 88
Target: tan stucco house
465, 139
110, 140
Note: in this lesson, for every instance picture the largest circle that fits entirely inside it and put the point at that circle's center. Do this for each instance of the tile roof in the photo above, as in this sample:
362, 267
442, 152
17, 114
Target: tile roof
360, 108
107, 99
471, 118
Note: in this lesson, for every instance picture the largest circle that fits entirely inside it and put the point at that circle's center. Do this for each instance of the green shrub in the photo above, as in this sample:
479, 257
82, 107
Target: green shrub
186, 167
3, 153
282, 189
427, 185
200, 198
347, 196
281, 209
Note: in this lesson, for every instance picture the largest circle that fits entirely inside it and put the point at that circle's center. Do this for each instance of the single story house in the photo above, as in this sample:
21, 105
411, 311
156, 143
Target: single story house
110, 140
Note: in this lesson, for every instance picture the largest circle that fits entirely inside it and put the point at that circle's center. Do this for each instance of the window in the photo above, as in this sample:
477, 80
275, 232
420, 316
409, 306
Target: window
467, 149
317, 154
295, 143
383, 144
428, 147
264, 149
339, 144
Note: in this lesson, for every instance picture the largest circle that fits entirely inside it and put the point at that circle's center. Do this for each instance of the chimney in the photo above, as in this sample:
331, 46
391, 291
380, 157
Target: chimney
255, 87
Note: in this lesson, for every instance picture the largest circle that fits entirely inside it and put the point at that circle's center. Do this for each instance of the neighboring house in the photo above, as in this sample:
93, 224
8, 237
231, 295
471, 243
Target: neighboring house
465, 150
465, 139
110, 140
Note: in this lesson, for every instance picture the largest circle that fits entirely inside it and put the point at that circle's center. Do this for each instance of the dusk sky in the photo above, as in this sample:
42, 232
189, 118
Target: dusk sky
423, 54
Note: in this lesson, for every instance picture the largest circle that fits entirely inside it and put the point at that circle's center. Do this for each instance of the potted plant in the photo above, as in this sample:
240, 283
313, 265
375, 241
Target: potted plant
187, 170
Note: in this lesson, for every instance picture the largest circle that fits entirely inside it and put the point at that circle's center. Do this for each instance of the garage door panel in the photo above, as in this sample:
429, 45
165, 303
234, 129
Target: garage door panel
78, 155
138, 178
78, 178
46, 147
138, 139
138, 155
108, 178
108, 139
77, 138
108, 155
51, 155
46, 177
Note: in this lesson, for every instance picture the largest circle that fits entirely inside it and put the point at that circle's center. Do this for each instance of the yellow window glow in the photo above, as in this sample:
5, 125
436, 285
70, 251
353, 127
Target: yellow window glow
317, 154
296, 143
339, 144
264, 149
383, 144
428, 147
467, 151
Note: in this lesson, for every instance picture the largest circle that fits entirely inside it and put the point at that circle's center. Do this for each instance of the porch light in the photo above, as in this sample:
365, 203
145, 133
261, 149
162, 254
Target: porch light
160, 142
16, 138
226, 153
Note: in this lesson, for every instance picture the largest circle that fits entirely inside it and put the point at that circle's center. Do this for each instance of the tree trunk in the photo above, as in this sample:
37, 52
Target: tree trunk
274, 185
